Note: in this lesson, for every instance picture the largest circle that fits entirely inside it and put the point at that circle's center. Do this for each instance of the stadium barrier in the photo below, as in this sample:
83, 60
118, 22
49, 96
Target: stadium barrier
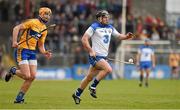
54, 73
159, 72
78, 72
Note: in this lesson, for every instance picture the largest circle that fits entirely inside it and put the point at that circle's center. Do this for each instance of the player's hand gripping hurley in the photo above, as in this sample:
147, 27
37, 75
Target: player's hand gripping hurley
131, 35
48, 27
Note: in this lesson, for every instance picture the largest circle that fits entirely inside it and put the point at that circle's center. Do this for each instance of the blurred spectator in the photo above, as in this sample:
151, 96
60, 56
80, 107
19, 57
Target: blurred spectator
155, 35
139, 25
44, 3
63, 43
103, 4
174, 60
79, 57
129, 23
148, 24
115, 7
82, 24
81, 7
4, 10
18, 12
143, 35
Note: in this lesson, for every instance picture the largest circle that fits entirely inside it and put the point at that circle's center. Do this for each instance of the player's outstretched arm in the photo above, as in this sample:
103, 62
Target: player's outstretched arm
129, 35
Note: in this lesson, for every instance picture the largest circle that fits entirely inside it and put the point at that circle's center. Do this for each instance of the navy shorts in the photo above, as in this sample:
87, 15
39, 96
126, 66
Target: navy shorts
93, 60
145, 65
24, 54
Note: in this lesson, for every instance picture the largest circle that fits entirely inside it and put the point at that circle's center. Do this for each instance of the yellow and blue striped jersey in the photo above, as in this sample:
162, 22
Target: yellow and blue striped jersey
32, 28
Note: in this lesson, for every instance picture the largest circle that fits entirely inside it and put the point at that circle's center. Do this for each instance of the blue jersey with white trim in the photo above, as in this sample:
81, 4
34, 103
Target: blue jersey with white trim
145, 53
100, 36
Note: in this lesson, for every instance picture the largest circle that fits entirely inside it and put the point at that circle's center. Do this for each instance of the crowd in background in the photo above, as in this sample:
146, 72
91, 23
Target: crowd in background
74, 16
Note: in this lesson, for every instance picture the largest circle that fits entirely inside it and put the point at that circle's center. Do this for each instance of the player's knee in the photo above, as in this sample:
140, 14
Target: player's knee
27, 77
32, 77
109, 70
89, 78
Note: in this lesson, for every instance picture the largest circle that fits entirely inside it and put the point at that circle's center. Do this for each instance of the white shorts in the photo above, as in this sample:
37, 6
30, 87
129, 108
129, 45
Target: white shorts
28, 62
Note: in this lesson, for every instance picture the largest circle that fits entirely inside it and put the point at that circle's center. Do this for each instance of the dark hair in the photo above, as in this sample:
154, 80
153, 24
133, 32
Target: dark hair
101, 13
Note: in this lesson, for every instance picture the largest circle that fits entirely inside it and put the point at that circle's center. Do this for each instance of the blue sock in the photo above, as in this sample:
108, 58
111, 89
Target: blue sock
20, 96
13, 70
95, 83
78, 92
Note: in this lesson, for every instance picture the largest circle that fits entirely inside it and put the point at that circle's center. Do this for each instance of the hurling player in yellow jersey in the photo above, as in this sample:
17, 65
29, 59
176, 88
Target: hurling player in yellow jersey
25, 53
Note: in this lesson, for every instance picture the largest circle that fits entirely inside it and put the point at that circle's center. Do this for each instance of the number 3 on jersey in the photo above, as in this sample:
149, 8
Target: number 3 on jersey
106, 39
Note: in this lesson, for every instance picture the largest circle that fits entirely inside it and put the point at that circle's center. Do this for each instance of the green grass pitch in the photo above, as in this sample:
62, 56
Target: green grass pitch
112, 94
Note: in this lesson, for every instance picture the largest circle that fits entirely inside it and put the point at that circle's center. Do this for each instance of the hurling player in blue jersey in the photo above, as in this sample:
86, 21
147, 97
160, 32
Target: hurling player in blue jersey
100, 33
145, 61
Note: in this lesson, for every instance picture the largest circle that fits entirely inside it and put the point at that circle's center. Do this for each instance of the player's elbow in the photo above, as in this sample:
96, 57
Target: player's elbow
16, 28
83, 40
